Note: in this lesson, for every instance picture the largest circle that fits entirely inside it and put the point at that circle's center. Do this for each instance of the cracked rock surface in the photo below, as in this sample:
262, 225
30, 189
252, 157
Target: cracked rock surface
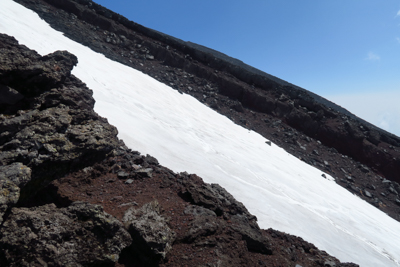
149, 229
52, 127
79, 235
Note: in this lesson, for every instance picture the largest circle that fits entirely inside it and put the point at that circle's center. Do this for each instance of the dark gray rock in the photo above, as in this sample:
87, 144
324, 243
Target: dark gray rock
147, 172
238, 107
393, 191
396, 186
200, 227
129, 181
386, 181
12, 178
364, 168
53, 128
348, 264
204, 224
367, 194
354, 188
79, 235
216, 198
151, 160
255, 241
123, 175
9, 96
9, 196
29, 73
149, 230
51, 136
199, 211
329, 263
17, 173
372, 187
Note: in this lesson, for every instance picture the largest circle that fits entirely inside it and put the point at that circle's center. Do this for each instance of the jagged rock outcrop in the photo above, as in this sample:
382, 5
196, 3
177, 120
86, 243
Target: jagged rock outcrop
51, 126
218, 201
12, 178
29, 73
79, 235
149, 230
48, 128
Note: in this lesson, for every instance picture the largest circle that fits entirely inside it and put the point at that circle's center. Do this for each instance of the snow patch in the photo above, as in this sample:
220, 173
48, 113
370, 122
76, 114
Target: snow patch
184, 135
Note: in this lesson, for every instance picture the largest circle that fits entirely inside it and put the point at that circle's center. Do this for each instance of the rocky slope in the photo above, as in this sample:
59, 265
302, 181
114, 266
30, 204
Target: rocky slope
57, 155
72, 194
363, 158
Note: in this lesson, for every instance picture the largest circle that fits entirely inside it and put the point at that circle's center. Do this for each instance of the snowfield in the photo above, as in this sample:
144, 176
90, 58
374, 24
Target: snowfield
184, 135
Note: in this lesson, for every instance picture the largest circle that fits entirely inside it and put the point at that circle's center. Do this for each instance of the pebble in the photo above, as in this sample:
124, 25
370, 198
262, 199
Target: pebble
123, 175
368, 194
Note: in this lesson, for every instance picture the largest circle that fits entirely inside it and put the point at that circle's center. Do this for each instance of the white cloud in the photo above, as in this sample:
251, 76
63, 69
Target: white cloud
398, 13
398, 39
373, 57
385, 121
381, 109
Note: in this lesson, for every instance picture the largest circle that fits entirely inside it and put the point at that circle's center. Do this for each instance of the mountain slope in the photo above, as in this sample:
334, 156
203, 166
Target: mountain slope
285, 115
233, 104
335, 127
265, 107
57, 156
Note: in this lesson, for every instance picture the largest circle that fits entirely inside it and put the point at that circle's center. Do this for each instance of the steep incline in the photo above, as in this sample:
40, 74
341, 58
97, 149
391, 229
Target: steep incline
67, 184
361, 157
147, 63
309, 113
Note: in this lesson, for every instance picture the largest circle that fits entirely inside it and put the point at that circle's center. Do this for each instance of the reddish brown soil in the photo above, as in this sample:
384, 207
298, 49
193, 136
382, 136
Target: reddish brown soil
100, 185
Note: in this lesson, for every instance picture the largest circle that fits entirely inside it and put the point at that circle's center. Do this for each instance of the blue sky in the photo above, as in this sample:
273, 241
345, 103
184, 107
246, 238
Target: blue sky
346, 51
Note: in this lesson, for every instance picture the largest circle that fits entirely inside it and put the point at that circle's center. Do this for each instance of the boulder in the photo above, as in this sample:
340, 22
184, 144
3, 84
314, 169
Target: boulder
215, 198
79, 235
204, 223
47, 120
29, 73
149, 230
255, 241
17, 173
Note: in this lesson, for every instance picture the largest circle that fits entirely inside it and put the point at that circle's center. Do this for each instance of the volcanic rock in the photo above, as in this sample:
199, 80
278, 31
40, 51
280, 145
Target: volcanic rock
79, 235
12, 178
149, 230
52, 127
